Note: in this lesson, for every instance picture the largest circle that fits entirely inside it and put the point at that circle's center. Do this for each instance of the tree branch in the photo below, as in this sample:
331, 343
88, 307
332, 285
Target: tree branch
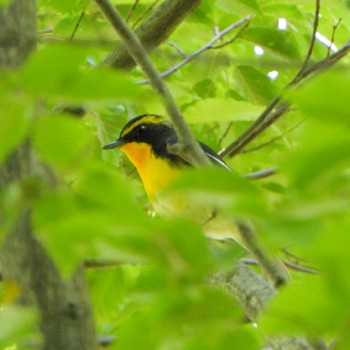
156, 29
144, 13
186, 147
271, 267
267, 117
244, 22
312, 42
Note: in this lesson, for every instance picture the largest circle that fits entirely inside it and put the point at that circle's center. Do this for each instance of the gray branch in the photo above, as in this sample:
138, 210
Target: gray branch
154, 30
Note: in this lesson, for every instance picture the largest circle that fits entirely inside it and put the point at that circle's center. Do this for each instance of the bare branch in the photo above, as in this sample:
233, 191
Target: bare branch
312, 42
77, 25
289, 264
261, 174
271, 267
271, 141
153, 31
144, 13
245, 21
335, 27
132, 10
265, 119
268, 116
187, 147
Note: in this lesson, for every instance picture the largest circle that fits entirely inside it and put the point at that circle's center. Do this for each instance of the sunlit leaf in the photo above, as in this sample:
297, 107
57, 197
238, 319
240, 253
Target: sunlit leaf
220, 109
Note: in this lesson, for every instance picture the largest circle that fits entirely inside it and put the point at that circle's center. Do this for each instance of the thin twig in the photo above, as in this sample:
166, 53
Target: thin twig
335, 27
225, 133
77, 25
94, 264
178, 49
265, 120
44, 31
186, 147
326, 62
270, 266
236, 146
208, 46
291, 265
132, 10
144, 14
261, 174
312, 42
228, 42
271, 141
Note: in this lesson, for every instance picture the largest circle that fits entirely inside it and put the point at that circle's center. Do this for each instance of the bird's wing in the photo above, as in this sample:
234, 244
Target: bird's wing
213, 156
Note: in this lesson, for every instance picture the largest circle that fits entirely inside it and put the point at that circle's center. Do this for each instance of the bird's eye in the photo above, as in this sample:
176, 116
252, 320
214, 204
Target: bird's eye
141, 129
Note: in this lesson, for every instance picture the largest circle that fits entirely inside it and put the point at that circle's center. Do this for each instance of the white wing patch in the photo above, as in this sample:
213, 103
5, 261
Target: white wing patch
218, 161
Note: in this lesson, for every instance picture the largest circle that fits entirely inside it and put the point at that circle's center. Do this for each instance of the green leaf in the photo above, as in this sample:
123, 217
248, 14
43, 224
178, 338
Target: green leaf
91, 219
65, 6
240, 6
217, 188
4, 3
255, 85
324, 159
60, 140
15, 118
279, 42
315, 312
324, 98
250, 3
16, 324
56, 71
221, 109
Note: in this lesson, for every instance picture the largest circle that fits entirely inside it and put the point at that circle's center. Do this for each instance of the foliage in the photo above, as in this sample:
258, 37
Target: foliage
157, 296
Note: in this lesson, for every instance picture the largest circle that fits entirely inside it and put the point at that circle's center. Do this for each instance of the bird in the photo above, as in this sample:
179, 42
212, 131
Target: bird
145, 140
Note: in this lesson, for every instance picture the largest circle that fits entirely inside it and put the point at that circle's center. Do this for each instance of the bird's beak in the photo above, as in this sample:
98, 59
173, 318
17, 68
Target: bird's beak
115, 144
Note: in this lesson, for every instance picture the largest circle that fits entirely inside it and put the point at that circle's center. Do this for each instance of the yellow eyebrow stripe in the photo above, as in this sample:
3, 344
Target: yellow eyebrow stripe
147, 119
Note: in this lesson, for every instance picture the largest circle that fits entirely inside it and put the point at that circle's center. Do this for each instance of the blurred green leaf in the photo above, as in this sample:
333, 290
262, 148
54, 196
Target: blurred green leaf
250, 3
323, 159
239, 6
17, 326
65, 6
60, 140
56, 71
90, 220
316, 311
4, 2
205, 189
324, 98
15, 119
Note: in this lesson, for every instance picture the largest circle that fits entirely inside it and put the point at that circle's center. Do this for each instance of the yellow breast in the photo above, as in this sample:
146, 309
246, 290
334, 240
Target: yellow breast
156, 173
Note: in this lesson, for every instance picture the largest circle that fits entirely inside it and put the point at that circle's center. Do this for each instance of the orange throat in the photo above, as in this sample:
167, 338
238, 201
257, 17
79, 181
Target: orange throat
156, 172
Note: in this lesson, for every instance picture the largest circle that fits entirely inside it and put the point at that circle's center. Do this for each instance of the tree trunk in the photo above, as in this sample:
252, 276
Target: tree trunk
64, 308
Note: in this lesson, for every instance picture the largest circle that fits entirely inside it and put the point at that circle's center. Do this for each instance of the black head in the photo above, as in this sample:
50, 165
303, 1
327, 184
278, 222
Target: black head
147, 128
